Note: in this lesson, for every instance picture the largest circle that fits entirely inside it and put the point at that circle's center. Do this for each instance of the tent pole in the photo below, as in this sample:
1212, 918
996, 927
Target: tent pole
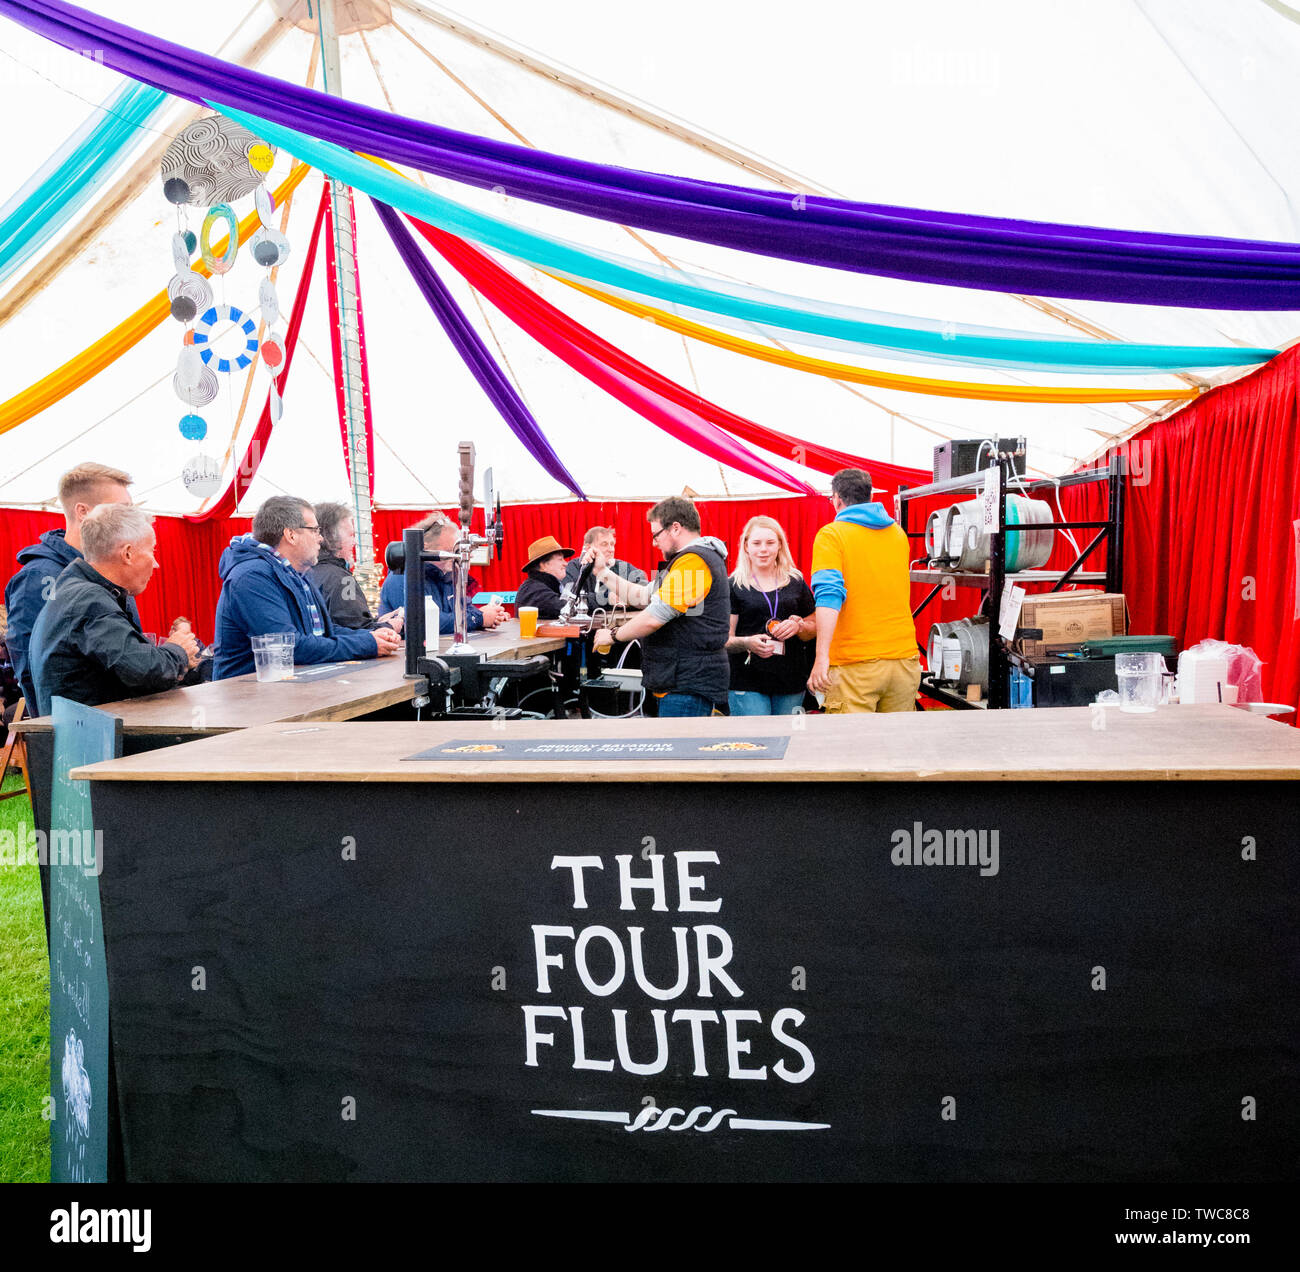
352, 351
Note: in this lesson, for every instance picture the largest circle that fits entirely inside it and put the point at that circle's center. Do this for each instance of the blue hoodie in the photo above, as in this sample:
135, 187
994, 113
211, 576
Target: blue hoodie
25, 597
261, 593
442, 587
828, 585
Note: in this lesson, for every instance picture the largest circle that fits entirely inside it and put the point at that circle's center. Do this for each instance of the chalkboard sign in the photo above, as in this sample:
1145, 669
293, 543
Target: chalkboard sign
78, 978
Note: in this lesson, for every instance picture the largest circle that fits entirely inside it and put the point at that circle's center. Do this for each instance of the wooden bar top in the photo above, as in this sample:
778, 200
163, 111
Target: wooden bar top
1178, 743
241, 702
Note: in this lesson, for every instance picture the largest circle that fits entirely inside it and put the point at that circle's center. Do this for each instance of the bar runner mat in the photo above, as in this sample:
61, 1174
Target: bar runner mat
755, 748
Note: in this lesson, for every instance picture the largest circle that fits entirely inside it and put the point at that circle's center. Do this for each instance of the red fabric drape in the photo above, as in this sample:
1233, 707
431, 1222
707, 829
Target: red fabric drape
664, 403
1213, 493
531, 312
248, 466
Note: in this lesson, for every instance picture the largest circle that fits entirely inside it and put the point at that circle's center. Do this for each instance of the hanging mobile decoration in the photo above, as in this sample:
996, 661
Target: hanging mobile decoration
265, 203
269, 247
209, 165
268, 301
219, 212
194, 428
203, 337
200, 394
201, 475
189, 367
180, 252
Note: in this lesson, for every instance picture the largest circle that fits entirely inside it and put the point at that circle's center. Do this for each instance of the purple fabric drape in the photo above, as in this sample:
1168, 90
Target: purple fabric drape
482, 366
933, 247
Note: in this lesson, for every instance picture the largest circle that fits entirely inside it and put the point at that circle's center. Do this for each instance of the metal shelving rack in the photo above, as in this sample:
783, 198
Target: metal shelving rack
1111, 531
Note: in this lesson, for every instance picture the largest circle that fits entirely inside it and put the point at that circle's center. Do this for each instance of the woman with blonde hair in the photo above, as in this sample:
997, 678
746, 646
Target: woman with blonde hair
771, 612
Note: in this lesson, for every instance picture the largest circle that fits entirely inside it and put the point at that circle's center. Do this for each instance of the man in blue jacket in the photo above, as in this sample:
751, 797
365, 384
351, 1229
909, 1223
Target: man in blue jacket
265, 589
439, 583
80, 489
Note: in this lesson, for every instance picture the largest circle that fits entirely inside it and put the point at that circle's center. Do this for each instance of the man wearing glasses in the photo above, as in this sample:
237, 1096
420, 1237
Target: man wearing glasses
265, 589
684, 626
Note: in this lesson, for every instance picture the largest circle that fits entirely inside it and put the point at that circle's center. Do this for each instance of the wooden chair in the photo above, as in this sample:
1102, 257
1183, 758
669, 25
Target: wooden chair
14, 755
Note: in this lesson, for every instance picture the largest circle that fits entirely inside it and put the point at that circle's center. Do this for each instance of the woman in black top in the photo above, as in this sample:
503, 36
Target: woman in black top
545, 571
771, 615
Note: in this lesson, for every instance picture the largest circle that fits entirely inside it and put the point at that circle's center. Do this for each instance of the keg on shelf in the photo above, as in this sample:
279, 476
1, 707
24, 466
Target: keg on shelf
955, 539
958, 652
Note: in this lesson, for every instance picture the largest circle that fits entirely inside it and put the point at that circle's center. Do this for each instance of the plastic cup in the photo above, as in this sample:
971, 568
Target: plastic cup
1141, 681
273, 655
527, 621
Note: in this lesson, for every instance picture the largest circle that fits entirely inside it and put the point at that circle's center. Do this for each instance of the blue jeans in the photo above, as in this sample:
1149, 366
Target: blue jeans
684, 704
748, 702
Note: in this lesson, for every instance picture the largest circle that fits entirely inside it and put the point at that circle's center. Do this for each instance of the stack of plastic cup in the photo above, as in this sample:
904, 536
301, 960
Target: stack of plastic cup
273, 655
1141, 681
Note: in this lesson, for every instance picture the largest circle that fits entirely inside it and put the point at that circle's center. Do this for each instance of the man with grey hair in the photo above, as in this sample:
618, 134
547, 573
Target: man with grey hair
265, 589
440, 533
80, 490
87, 644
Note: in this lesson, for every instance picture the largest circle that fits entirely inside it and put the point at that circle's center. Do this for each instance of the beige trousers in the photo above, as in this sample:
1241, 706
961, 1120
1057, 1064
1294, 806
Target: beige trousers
880, 684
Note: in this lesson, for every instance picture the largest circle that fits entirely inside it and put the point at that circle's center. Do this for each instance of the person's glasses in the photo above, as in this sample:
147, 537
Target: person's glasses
654, 534
313, 529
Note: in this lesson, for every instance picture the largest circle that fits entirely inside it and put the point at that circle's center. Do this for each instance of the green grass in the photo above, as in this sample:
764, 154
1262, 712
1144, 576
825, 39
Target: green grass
24, 1014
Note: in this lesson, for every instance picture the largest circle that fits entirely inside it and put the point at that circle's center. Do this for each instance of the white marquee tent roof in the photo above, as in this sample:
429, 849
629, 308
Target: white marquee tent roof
1168, 115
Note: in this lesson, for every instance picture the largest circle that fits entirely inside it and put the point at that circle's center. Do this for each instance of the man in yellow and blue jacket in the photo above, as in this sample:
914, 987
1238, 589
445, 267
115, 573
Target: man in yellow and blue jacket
684, 626
866, 641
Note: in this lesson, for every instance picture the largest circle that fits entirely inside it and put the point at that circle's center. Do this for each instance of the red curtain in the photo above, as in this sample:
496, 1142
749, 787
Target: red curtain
185, 583
1213, 494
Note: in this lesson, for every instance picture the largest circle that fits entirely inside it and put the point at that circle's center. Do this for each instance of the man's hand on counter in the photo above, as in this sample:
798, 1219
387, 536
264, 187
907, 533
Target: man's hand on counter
494, 615
394, 619
387, 641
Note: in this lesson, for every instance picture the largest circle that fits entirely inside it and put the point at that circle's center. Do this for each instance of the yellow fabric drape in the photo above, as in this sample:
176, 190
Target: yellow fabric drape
93, 359
863, 375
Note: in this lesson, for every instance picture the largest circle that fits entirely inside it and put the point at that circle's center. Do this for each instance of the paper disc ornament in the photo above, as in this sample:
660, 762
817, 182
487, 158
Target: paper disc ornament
202, 476
273, 355
268, 301
269, 248
189, 367
265, 204
220, 212
200, 394
209, 162
203, 338
193, 286
194, 428
180, 252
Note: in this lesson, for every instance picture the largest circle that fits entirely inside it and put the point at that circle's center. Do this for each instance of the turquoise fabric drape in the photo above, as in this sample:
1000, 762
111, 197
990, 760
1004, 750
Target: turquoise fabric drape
66, 181
950, 345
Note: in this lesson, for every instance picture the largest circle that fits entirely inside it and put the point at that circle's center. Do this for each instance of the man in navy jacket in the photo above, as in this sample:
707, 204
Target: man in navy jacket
265, 588
87, 644
439, 583
80, 489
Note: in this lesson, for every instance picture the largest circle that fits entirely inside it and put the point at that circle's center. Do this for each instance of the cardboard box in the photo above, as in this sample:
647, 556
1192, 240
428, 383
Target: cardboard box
1071, 618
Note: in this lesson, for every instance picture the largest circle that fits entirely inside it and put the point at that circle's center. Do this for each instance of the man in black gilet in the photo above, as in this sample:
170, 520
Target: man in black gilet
684, 625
